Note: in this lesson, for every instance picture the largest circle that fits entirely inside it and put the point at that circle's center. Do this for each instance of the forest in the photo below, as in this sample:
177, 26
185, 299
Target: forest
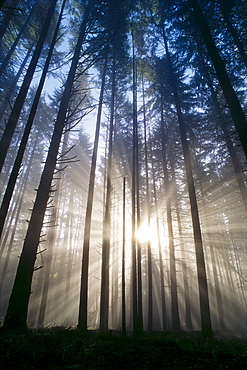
123, 166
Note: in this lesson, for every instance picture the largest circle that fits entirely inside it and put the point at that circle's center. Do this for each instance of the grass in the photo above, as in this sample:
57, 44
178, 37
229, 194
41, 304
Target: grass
71, 349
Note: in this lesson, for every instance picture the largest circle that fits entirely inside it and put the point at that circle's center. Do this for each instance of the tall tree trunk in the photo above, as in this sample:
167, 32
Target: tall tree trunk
13, 84
200, 260
133, 210
15, 113
225, 8
82, 320
16, 209
188, 321
234, 105
16, 168
51, 238
223, 124
123, 262
136, 247
17, 310
161, 265
173, 275
150, 285
104, 299
17, 39
10, 5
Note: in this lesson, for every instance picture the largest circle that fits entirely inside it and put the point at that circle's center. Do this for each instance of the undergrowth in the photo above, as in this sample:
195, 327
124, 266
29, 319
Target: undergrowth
71, 349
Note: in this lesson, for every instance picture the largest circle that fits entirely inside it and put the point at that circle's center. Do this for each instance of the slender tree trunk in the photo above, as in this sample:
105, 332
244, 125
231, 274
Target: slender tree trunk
150, 285
133, 205
19, 202
188, 321
136, 246
17, 39
16, 168
114, 263
51, 239
227, 17
17, 310
15, 113
82, 320
11, 5
173, 275
236, 110
104, 301
13, 84
229, 144
161, 265
68, 229
201, 268
123, 263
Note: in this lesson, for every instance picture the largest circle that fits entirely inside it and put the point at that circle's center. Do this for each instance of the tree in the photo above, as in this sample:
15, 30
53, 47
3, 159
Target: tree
12, 4
174, 296
18, 304
15, 170
232, 100
15, 113
82, 321
17, 39
104, 300
226, 11
201, 269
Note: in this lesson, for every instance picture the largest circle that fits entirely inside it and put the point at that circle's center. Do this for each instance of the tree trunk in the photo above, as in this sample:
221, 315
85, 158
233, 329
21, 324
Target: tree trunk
16, 168
136, 248
51, 238
18, 304
236, 110
200, 261
161, 265
82, 320
173, 275
232, 29
150, 284
13, 84
229, 144
12, 4
188, 321
17, 39
123, 263
104, 301
15, 113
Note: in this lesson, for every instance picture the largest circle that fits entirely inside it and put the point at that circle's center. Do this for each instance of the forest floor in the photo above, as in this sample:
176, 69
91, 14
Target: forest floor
70, 349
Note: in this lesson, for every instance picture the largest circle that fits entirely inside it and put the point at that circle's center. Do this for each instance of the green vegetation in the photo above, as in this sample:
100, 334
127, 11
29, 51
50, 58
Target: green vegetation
70, 349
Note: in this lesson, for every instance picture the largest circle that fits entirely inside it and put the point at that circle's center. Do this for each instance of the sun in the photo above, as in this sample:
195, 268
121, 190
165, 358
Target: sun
143, 234
147, 232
